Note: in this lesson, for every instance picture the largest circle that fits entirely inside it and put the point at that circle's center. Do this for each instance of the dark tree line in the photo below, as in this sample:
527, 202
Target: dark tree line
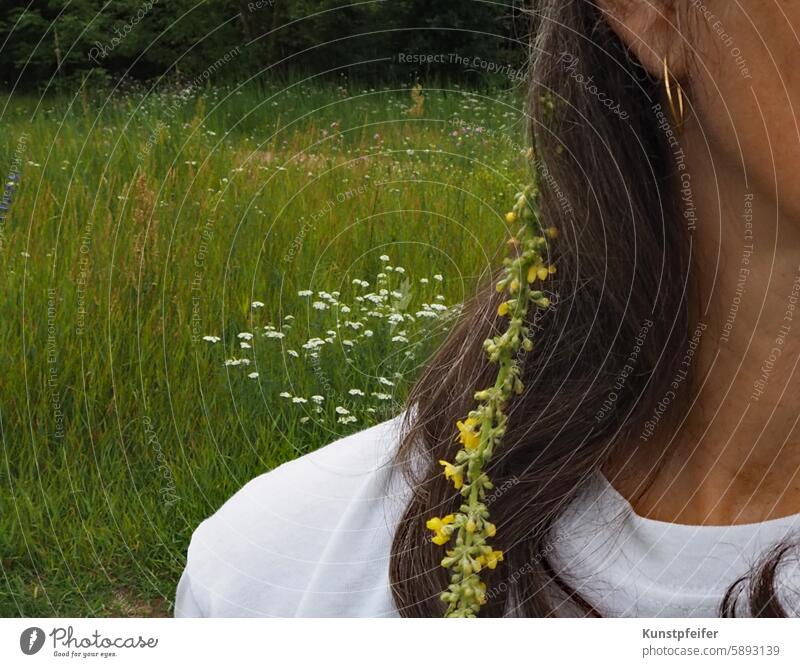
63, 42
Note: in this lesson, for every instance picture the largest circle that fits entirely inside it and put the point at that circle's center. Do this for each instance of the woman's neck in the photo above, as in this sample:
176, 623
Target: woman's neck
732, 455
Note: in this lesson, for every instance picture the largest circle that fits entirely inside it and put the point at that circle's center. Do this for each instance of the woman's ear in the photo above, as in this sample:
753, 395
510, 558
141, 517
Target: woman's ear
651, 31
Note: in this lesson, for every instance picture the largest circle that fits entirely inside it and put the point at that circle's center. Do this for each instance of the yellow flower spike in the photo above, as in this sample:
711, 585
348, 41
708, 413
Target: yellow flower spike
469, 529
467, 435
453, 473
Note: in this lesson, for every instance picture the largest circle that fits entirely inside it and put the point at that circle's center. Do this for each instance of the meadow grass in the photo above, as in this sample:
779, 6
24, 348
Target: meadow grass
149, 223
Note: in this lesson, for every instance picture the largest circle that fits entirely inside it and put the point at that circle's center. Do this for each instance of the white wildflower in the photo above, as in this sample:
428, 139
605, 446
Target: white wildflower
313, 343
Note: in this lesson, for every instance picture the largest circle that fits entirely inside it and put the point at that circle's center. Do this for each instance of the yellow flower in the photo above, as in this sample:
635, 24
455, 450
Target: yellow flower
493, 558
511, 217
469, 438
491, 529
502, 309
480, 593
454, 473
437, 525
540, 272
552, 232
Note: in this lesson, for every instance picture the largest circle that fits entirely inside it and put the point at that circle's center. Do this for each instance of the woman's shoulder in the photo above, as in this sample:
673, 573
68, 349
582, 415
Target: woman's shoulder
311, 537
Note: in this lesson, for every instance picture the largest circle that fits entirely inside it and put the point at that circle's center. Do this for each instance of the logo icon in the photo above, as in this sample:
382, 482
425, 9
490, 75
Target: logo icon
31, 640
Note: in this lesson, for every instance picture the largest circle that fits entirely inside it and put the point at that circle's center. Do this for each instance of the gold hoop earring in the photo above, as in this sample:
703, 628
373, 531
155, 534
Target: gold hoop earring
675, 100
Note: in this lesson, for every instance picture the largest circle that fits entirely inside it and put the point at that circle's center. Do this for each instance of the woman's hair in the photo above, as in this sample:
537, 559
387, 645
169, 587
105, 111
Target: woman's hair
606, 160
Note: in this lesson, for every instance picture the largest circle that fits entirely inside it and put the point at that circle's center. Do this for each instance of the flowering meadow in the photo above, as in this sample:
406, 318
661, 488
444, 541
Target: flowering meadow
202, 284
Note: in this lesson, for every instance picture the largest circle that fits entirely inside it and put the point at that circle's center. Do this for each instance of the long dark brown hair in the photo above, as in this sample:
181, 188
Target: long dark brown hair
607, 163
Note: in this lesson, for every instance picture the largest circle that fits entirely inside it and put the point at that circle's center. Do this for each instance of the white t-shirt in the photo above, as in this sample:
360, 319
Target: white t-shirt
313, 538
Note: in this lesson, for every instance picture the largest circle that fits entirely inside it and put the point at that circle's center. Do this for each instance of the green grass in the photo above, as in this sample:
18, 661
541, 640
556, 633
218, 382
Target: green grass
142, 223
